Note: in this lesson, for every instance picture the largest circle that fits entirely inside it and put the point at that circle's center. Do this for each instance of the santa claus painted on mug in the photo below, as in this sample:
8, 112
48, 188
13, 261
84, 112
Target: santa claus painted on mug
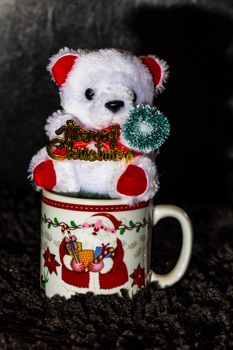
104, 266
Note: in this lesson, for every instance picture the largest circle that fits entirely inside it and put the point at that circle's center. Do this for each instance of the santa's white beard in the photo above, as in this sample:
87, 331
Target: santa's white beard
90, 241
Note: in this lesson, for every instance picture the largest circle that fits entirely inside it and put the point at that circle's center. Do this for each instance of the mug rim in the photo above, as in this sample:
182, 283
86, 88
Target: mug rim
89, 204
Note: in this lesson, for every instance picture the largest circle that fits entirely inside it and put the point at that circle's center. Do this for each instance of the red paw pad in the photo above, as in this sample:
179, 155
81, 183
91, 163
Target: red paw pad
132, 182
44, 175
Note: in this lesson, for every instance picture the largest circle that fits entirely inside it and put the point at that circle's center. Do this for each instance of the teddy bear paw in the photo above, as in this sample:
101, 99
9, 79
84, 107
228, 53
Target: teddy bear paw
44, 175
133, 182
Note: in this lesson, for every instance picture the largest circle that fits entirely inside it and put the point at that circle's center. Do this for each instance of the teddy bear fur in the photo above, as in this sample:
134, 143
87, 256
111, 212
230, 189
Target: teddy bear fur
112, 75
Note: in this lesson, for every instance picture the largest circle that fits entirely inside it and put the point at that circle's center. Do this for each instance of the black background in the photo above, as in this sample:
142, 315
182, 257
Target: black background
195, 38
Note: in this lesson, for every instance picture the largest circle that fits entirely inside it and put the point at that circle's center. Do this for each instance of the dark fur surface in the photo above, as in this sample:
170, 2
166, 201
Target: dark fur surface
196, 313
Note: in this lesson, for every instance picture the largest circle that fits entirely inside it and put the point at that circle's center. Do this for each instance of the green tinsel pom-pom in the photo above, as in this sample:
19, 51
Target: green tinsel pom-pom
145, 129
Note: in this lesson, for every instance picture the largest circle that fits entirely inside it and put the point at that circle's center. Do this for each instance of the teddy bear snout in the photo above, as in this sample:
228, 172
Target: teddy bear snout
114, 105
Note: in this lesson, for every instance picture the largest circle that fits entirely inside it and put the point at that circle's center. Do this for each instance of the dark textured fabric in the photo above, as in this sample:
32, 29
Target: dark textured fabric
195, 37
196, 313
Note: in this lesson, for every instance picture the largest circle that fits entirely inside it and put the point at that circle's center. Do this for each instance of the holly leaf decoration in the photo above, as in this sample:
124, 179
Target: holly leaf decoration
122, 231
131, 223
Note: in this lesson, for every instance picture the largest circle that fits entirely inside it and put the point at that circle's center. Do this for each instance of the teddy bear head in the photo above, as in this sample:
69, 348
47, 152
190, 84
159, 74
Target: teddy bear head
99, 87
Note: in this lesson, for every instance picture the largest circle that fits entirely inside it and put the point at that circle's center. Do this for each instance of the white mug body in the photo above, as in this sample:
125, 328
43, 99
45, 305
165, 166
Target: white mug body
101, 245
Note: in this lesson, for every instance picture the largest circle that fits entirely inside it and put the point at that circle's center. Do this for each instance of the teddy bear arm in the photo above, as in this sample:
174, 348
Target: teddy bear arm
55, 122
127, 143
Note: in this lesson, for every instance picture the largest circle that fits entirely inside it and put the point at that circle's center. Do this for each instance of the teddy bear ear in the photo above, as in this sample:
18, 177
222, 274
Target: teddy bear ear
61, 64
159, 70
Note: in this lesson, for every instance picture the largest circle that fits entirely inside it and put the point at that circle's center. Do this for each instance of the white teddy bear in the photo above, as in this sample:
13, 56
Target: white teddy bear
107, 98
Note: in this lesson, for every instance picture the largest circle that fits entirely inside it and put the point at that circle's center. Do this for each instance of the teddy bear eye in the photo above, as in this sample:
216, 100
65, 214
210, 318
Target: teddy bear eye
89, 93
134, 97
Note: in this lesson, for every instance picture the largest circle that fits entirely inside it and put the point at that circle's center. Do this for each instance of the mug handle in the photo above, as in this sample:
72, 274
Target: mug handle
162, 211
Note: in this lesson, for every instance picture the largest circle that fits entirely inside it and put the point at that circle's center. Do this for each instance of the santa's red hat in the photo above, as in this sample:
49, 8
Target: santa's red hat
111, 219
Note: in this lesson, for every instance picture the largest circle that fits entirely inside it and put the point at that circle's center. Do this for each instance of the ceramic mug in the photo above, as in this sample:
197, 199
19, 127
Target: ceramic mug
103, 245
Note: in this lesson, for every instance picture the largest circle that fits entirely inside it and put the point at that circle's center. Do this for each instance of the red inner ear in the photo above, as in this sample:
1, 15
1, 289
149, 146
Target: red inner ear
154, 68
62, 67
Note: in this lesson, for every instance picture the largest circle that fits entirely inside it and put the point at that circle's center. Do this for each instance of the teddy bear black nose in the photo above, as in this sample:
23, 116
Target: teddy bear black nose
114, 105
